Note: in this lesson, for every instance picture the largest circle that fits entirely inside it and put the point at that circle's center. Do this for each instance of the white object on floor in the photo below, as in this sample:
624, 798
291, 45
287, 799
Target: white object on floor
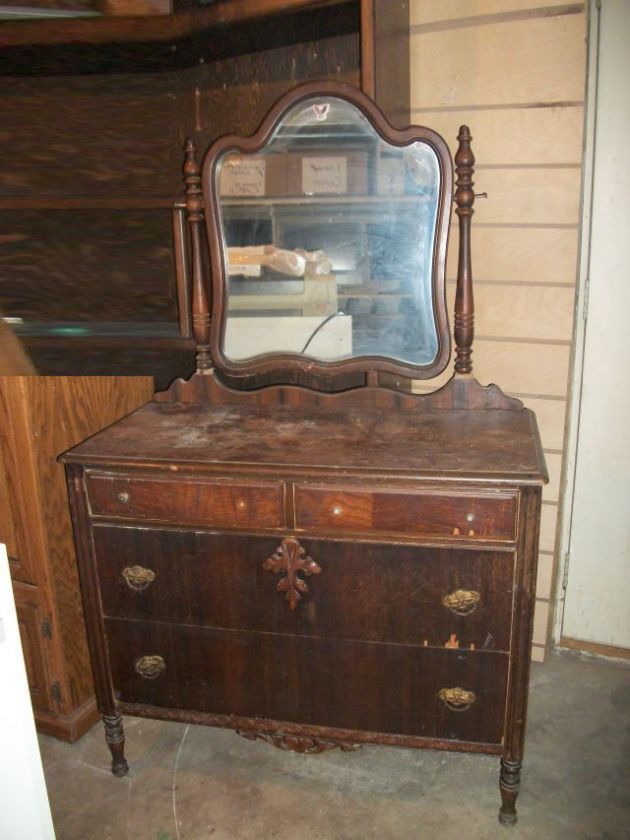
24, 808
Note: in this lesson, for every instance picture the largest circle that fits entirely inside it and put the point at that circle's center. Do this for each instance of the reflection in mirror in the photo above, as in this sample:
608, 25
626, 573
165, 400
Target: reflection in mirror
329, 233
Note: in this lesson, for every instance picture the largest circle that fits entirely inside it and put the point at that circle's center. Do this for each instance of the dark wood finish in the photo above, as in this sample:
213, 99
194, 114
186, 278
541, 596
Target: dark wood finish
464, 304
113, 267
207, 566
194, 217
99, 110
281, 367
265, 435
424, 514
297, 743
115, 737
159, 358
389, 36
135, 44
40, 417
245, 674
291, 561
244, 504
375, 584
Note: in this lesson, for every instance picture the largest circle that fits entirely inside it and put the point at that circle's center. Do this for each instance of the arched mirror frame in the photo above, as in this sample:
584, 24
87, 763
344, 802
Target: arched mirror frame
284, 367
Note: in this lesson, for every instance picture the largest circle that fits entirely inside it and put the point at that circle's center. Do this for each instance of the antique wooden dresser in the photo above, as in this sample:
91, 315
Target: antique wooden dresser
291, 543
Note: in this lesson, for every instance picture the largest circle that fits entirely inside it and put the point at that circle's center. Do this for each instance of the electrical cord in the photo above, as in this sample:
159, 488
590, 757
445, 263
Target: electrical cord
318, 328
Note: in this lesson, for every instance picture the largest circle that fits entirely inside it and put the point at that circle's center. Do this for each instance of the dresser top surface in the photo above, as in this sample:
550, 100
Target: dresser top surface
497, 444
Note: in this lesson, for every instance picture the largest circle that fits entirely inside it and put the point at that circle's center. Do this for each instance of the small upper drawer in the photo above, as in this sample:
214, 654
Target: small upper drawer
188, 501
424, 513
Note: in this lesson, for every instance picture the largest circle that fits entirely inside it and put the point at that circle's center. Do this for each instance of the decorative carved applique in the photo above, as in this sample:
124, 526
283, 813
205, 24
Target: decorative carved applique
291, 558
298, 743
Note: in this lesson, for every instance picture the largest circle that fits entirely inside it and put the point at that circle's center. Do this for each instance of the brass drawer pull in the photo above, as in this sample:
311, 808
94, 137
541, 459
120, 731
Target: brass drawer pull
150, 667
462, 601
123, 498
457, 699
137, 577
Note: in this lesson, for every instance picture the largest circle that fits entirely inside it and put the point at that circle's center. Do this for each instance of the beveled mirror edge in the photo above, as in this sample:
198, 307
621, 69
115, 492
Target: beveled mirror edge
259, 370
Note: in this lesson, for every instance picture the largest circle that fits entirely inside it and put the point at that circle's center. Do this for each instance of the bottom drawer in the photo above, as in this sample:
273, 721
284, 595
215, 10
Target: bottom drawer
324, 682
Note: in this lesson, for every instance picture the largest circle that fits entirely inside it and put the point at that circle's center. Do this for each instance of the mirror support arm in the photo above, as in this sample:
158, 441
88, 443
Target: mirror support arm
194, 215
464, 303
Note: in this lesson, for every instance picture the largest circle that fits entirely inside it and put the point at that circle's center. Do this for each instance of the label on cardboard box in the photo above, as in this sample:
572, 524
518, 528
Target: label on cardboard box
324, 175
243, 177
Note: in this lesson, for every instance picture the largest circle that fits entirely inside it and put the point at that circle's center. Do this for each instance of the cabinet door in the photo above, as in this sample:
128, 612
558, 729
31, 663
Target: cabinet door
7, 528
19, 521
31, 617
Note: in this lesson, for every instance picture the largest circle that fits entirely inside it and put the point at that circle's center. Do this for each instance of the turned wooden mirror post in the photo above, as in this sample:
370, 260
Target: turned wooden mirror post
194, 216
464, 303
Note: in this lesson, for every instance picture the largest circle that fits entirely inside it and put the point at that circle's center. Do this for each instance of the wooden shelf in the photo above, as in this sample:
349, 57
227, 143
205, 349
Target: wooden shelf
88, 202
168, 42
264, 201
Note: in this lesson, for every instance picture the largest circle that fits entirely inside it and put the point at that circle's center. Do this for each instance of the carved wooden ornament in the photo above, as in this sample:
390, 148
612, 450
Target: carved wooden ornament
299, 743
291, 558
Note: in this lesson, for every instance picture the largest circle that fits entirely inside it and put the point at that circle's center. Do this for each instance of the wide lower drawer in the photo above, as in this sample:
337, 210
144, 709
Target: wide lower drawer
422, 512
187, 501
371, 591
354, 685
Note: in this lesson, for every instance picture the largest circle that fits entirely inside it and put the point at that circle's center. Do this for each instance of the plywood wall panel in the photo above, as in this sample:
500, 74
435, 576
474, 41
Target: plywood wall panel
451, 10
519, 368
514, 136
535, 196
519, 254
548, 518
528, 61
550, 415
544, 578
514, 71
551, 491
508, 311
541, 617
523, 368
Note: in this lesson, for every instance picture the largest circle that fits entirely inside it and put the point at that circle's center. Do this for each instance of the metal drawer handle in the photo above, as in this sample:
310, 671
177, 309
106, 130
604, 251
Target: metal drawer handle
457, 699
137, 577
150, 667
462, 601
123, 498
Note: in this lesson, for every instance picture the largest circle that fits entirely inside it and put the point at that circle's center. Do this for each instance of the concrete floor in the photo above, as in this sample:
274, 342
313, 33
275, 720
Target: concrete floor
190, 782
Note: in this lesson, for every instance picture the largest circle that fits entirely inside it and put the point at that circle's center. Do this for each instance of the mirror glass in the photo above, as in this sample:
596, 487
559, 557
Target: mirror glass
329, 235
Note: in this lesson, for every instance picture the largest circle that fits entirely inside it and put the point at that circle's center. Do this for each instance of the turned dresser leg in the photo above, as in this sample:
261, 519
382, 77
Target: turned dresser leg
115, 737
509, 784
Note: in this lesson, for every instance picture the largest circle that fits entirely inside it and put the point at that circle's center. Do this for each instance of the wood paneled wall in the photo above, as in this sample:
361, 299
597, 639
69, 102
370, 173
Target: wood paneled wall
515, 72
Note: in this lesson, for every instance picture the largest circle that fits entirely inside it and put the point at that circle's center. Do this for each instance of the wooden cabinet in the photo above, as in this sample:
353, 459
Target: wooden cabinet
40, 417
